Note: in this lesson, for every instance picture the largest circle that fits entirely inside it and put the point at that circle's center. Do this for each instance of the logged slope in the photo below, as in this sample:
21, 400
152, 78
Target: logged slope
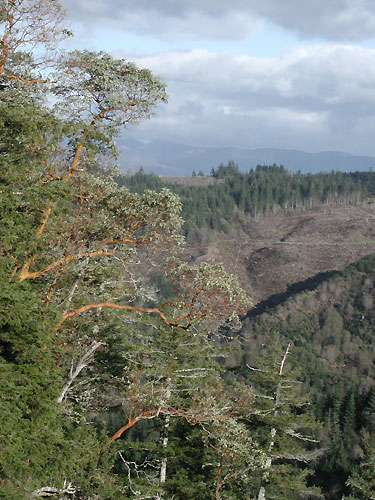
278, 250
271, 228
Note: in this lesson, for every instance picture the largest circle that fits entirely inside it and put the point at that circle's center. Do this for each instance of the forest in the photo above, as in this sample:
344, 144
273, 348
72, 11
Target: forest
265, 189
127, 371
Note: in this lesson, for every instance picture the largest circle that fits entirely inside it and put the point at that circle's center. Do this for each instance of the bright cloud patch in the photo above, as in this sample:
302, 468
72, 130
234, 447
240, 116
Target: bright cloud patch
309, 96
316, 96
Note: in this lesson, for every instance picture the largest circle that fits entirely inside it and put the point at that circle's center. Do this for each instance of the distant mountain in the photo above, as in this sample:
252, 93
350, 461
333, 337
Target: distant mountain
170, 159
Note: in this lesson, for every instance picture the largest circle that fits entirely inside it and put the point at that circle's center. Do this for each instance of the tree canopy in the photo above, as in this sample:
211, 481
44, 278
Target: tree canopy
104, 377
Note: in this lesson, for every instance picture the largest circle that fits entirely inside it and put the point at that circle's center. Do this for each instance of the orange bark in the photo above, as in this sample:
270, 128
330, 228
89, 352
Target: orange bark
189, 416
112, 305
24, 273
133, 421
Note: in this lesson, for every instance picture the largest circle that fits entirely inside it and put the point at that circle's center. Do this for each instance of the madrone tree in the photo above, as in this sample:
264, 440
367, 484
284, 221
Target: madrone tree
75, 249
30, 26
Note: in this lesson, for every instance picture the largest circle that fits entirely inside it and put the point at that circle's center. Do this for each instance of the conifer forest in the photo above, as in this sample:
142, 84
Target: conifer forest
129, 370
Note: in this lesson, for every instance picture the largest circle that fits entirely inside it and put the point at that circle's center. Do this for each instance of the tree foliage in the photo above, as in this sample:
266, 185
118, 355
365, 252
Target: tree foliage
29, 26
106, 381
266, 189
72, 242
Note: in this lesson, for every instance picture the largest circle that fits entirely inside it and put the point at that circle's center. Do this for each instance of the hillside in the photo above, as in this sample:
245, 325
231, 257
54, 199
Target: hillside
275, 251
272, 228
309, 265
310, 286
331, 324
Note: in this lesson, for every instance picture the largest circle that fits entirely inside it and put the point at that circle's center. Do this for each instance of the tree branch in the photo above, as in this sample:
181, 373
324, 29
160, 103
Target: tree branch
112, 305
189, 416
284, 359
81, 364
49, 491
267, 466
25, 274
297, 435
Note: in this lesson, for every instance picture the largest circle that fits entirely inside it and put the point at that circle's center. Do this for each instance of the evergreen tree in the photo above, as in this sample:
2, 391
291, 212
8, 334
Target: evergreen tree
362, 481
285, 431
368, 415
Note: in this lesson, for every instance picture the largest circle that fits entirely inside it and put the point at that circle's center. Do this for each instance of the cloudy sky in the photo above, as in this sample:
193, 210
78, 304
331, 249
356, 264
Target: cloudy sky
288, 74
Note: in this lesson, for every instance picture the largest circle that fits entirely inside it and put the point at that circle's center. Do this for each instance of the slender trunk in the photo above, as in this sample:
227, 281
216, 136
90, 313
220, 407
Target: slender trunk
164, 442
267, 466
218, 484
165, 436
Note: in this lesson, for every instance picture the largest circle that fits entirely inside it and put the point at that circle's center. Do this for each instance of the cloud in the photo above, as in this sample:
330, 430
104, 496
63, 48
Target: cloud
341, 20
168, 20
312, 98
315, 96
324, 74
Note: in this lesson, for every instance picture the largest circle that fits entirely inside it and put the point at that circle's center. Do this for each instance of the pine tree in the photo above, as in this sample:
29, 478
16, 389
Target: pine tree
369, 412
362, 481
286, 432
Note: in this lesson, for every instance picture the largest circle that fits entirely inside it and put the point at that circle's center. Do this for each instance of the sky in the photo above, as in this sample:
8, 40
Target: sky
287, 74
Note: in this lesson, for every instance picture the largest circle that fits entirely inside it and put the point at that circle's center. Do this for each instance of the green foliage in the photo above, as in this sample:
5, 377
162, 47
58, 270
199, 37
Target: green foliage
222, 171
282, 423
103, 384
71, 243
266, 189
235, 455
30, 24
100, 94
362, 481
333, 334
60, 226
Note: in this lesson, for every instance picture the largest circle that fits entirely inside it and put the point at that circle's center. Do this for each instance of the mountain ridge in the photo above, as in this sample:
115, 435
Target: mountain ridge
173, 159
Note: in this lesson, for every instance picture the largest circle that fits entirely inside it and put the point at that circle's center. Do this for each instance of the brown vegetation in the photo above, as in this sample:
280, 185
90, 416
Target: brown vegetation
271, 252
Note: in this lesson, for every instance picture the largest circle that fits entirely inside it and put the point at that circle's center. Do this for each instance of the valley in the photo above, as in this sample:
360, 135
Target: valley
309, 268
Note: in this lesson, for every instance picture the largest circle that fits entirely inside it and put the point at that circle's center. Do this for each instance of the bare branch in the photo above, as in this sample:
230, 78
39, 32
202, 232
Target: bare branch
306, 457
284, 359
253, 369
297, 435
81, 364
49, 491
